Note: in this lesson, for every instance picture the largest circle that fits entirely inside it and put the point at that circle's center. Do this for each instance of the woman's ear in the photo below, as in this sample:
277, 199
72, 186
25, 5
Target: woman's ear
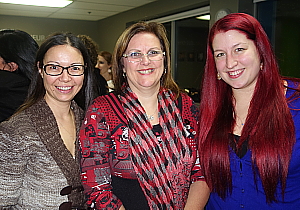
12, 66
40, 70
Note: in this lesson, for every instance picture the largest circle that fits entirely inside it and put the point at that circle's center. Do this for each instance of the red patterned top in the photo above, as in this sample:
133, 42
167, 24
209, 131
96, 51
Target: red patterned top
105, 149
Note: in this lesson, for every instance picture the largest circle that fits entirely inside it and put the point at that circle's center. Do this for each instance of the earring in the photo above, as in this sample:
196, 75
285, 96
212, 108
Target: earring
165, 71
124, 74
261, 66
219, 76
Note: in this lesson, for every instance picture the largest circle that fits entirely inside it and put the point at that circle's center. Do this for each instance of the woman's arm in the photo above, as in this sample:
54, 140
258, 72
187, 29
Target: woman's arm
12, 167
199, 191
198, 196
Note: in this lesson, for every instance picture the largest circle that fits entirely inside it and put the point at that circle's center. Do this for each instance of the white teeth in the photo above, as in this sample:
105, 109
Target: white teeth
234, 73
64, 88
146, 71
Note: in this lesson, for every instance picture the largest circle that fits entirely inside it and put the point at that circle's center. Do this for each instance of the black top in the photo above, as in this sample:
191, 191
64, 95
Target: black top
241, 152
101, 82
13, 91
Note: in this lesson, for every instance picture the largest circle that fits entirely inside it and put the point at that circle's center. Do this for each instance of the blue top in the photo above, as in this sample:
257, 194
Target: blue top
245, 195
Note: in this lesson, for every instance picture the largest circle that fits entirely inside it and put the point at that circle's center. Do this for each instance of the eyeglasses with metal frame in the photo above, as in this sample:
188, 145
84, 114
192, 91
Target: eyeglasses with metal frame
55, 70
152, 55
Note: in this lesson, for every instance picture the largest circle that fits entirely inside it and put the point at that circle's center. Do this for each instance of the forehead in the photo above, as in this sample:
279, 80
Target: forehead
231, 37
143, 40
101, 58
63, 52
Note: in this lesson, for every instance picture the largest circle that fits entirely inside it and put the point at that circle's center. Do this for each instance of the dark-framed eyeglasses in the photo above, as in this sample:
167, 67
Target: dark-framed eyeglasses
66, 191
136, 56
55, 70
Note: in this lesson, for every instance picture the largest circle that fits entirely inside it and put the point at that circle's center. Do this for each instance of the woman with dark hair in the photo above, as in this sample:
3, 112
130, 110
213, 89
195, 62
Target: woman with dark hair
138, 146
38, 148
249, 121
17, 55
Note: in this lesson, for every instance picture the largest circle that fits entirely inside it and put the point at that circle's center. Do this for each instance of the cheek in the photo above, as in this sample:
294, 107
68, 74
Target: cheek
80, 81
48, 83
220, 64
128, 66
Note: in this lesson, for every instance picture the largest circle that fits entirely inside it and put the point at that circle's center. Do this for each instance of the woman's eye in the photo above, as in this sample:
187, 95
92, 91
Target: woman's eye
219, 55
53, 67
153, 52
75, 68
239, 49
135, 54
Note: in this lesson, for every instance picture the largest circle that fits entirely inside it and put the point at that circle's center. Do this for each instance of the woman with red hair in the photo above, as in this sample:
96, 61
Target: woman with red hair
249, 129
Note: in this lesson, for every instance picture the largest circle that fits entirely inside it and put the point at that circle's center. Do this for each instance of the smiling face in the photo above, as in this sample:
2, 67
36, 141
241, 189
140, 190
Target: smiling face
62, 88
237, 59
145, 74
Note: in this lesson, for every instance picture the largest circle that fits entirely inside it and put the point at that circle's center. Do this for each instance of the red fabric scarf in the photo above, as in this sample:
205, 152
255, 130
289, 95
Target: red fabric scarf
159, 166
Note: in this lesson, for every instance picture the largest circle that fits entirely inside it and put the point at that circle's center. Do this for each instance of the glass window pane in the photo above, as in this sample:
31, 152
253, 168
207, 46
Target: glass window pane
281, 20
191, 36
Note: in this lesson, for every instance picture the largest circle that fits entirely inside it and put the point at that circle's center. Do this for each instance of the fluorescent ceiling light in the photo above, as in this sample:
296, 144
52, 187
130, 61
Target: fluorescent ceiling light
42, 3
204, 17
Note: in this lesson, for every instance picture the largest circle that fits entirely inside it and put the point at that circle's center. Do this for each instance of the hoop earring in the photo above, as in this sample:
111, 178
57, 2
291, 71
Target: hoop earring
219, 76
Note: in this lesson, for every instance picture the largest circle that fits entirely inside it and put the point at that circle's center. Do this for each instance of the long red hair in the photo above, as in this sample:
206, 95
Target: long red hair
269, 126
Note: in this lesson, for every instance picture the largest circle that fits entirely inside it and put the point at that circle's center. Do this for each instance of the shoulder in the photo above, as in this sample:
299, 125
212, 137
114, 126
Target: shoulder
29, 119
187, 101
105, 101
186, 98
18, 127
292, 88
100, 107
189, 109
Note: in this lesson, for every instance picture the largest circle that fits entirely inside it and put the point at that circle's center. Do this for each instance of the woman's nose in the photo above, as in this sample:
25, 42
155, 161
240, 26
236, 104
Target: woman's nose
65, 76
231, 61
145, 60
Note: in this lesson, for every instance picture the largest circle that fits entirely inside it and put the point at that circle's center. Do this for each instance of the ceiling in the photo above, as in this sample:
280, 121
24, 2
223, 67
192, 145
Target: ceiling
91, 10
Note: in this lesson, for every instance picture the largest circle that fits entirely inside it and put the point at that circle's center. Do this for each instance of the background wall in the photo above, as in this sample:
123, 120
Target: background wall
105, 32
42, 27
111, 28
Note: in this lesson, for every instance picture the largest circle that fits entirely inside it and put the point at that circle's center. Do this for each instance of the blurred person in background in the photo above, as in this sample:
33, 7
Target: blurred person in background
104, 64
17, 55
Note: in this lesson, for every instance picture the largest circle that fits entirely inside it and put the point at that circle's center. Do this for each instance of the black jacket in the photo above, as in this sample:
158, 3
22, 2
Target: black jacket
13, 91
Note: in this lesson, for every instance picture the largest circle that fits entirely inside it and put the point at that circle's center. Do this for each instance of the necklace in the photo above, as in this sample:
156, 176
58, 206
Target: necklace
150, 117
240, 121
